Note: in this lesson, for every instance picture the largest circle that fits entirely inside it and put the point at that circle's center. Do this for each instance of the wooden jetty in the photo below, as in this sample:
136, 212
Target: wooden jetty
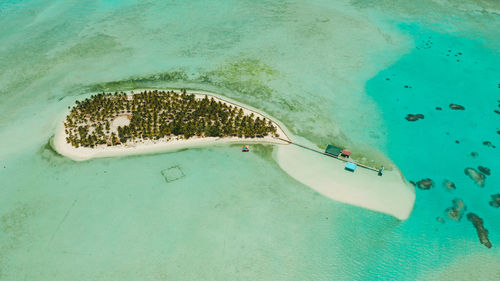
345, 159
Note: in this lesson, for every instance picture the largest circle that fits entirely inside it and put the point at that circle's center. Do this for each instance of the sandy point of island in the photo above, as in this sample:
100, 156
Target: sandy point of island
390, 194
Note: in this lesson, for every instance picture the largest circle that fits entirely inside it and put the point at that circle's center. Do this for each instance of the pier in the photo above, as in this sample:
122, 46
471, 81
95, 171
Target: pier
379, 171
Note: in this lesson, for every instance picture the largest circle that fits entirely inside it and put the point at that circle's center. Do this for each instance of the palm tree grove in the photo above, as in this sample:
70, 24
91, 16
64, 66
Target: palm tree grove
155, 115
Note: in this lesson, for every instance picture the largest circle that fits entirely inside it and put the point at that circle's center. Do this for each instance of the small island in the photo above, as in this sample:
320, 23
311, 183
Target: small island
154, 121
109, 124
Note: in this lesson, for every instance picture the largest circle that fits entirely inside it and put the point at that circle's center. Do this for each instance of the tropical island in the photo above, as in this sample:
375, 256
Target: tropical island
108, 124
152, 121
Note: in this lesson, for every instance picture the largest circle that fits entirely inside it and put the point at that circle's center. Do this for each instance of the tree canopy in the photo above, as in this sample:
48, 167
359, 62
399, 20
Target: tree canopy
158, 115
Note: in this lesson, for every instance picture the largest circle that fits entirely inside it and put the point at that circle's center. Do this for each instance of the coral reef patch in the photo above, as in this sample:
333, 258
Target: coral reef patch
425, 184
482, 232
476, 176
456, 106
414, 117
495, 200
440, 220
449, 185
457, 210
488, 144
484, 170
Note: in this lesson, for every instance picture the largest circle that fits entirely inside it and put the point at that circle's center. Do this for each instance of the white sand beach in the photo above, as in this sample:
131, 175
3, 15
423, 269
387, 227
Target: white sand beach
146, 147
389, 193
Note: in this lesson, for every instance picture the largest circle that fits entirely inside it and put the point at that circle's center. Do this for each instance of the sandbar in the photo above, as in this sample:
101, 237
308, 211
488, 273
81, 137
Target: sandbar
390, 193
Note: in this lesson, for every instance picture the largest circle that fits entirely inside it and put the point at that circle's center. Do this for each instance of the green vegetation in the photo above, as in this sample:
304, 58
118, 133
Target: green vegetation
141, 81
245, 76
156, 115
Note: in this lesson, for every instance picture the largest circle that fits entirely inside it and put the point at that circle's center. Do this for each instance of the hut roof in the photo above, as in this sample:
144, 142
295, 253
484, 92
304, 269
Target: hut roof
350, 166
332, 149
346, 152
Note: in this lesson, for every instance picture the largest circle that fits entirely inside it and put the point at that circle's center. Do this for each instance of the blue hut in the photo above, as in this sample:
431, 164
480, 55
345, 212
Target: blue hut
349, 166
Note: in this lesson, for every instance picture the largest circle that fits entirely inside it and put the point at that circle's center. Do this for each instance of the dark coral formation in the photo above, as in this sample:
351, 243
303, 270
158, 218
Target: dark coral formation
484, 170
496, 111
456, 212
488, 144
482, 232
438, 108
449, 185
456, 106
474, 154
414, 117
425, 184
495, 200
476, 176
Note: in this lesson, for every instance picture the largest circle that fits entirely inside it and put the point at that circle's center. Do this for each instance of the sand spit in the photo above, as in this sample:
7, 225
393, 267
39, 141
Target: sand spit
390, 194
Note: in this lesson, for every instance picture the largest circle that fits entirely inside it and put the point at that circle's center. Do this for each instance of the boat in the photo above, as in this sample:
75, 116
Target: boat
245, 148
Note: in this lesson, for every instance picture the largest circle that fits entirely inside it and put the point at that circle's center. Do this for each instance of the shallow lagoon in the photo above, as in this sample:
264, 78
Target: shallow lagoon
235, 215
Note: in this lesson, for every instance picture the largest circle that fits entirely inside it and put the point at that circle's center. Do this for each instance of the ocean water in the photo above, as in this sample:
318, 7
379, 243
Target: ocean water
320, 68
444, 69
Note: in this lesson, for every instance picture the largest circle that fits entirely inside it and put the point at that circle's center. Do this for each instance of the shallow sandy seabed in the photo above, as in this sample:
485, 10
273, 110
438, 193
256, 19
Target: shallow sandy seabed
478, 266
322, 53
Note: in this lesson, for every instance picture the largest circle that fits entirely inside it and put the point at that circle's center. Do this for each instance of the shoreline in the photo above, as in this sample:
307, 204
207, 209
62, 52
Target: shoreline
163, 145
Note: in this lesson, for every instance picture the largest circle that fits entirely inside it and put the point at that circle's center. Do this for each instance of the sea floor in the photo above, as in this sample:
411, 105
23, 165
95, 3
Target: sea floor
321, 68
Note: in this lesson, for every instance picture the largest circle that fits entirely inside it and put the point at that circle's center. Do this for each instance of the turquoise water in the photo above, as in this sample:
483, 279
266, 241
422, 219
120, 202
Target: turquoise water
321, 68
437, 75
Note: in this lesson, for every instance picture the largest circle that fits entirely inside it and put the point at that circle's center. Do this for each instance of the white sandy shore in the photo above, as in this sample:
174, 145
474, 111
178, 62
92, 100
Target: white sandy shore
163, 145
389, 194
